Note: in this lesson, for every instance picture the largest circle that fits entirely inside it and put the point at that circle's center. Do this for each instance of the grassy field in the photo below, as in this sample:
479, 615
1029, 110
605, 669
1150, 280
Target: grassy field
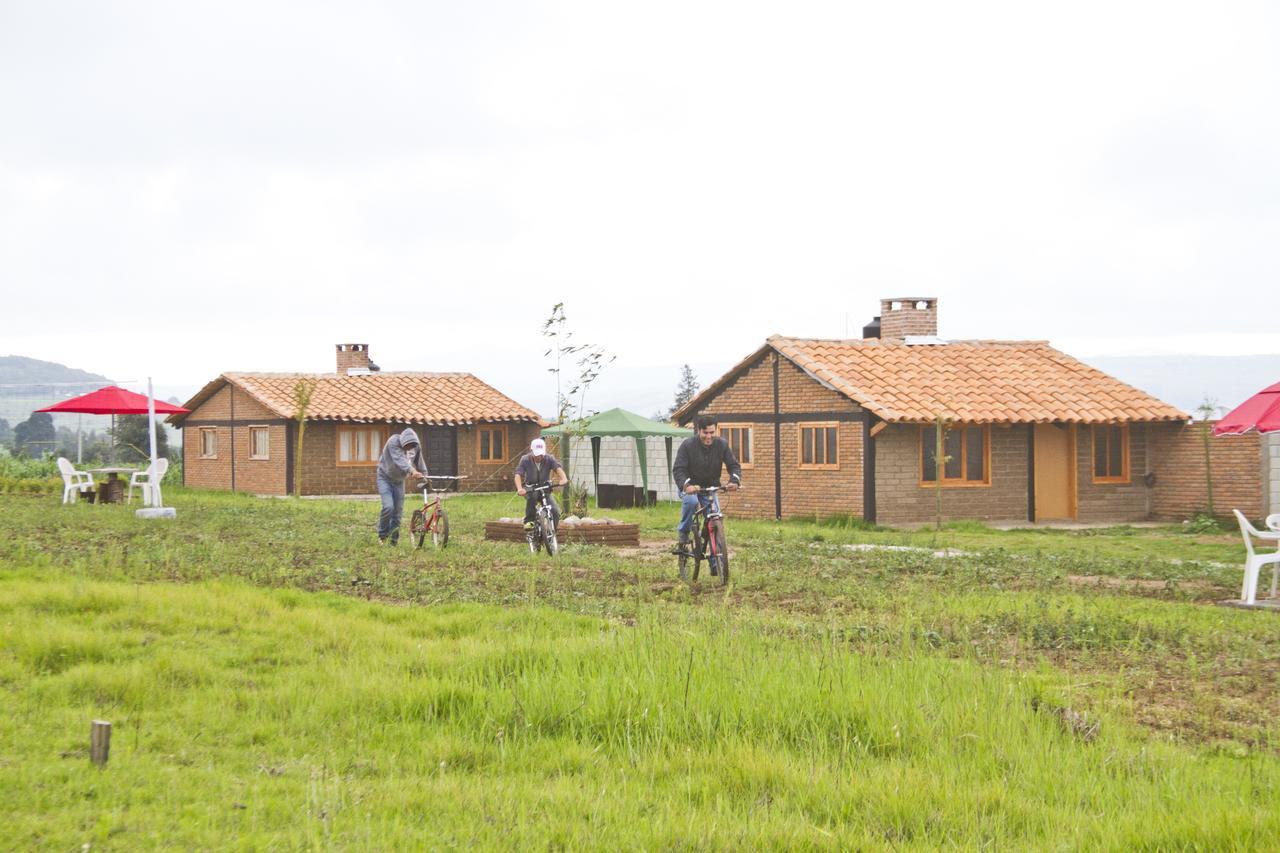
270, 686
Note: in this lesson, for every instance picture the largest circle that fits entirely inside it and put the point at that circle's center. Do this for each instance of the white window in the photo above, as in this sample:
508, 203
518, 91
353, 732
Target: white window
739, 438
359, 445
259, 442
208, 444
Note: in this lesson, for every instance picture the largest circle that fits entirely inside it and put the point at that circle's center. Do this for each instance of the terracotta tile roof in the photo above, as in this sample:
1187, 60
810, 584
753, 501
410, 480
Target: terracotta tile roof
425, 398
971, 381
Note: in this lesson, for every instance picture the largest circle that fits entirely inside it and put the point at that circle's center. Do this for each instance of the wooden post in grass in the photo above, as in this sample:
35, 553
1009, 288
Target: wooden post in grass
1206, 410
939, 462
100, 742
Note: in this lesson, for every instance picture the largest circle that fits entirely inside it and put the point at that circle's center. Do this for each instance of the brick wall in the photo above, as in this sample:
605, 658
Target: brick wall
900, 499
323, 476
1241, 471
259, 476
912, 316
804, 492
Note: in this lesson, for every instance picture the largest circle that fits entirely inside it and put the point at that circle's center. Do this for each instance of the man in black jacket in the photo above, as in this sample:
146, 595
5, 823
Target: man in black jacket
698, 463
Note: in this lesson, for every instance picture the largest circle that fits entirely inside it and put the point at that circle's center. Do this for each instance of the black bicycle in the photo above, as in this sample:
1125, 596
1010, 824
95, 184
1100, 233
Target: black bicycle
543, 534
708, 540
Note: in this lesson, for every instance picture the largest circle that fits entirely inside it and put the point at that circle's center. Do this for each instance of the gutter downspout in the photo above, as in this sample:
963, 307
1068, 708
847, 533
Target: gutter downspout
868, 470
232, 389
777, 444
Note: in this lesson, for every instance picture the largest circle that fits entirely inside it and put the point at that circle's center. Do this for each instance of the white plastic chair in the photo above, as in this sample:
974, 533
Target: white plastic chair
1254, 562
74, 483
149, 482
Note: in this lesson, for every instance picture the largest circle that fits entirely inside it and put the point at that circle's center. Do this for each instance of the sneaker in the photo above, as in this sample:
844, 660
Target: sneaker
682, 546
528, 525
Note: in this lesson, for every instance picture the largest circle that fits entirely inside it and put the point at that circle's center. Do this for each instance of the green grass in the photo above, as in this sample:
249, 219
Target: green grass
248, 717
277, 680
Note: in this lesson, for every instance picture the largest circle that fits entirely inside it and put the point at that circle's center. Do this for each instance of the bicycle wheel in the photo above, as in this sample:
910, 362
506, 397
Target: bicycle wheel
715, 531
549, 536
440, 532
418, 527
698, 546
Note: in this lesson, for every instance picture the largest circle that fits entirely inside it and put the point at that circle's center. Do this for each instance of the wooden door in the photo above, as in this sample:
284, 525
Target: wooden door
441, 450
1055, 481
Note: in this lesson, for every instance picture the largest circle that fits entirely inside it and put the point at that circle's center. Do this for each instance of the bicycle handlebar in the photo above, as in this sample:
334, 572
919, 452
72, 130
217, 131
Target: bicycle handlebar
716, 488
425, 485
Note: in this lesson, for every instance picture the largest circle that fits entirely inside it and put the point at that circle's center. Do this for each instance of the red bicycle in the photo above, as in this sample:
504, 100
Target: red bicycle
432, 517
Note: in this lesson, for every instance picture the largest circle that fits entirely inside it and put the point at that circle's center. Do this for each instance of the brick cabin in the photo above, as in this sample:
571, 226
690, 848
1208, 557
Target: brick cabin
1031, 433
241, 433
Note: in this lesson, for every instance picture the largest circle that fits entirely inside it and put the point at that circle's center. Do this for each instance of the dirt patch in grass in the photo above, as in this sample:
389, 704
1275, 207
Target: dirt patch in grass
1202, 589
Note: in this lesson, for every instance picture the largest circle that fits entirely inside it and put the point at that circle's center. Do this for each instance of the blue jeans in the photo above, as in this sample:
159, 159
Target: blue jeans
392, 495
688, 506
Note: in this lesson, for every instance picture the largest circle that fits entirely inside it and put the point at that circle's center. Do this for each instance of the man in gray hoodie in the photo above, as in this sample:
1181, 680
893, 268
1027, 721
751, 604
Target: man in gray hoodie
401, 458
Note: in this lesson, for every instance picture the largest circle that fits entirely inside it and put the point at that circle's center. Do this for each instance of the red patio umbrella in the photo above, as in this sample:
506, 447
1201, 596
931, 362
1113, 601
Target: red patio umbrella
1260, 412
112, 400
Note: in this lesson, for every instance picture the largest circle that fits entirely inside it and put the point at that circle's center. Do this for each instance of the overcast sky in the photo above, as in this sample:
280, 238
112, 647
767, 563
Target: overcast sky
190, 188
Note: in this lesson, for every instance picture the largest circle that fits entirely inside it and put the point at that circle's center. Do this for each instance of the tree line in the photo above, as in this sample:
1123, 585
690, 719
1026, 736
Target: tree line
37, 437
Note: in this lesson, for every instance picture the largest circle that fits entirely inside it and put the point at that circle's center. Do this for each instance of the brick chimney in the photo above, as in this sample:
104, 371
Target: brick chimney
352, 355
908, 315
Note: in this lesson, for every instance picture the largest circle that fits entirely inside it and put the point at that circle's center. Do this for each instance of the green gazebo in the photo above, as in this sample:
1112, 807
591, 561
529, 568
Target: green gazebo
616, 422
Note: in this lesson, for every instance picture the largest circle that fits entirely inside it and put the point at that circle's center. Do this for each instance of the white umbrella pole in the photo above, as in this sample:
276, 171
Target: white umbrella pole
152, 491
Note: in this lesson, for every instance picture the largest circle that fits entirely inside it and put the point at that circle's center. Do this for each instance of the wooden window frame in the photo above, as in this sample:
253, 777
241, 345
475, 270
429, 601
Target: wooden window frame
212, 431
506, 444
813, 466
252, 429
374, 452
1124, 476
931, 430
751, 440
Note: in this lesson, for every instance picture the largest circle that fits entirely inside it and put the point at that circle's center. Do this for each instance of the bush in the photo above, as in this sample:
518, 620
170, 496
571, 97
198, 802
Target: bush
29, 485
23, 467
1202, 524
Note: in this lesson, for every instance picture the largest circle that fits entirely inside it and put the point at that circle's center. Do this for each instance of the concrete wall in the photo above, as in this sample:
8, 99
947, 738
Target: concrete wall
900, 499
1127, 501
1271, 472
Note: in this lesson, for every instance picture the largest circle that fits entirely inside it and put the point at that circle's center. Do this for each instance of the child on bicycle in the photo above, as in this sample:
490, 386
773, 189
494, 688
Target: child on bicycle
698, 463
537, 468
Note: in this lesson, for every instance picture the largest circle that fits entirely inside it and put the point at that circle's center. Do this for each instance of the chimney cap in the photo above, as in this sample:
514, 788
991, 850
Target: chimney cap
929, 301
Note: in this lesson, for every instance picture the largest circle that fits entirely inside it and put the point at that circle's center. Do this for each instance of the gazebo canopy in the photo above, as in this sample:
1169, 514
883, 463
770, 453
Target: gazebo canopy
618, 422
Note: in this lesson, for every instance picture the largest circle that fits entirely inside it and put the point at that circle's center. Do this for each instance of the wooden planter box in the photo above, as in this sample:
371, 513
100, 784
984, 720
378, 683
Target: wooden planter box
616, 534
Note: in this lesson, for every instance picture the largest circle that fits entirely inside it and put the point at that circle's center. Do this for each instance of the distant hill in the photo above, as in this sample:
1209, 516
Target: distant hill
20, 370
27, 384
1186, 380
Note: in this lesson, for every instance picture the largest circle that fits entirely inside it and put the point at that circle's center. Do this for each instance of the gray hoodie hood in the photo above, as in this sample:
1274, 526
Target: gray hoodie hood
395, 464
